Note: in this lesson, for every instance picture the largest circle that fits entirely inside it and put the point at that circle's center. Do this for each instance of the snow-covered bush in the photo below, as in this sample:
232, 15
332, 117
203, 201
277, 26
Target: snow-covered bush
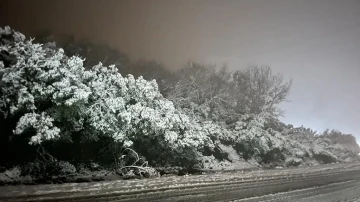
329, 147
52, 97
48, 98
344, 146
65, 168
293, 161
252, 140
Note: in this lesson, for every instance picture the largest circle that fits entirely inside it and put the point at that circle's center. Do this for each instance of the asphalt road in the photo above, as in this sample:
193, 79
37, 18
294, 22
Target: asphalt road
330, 183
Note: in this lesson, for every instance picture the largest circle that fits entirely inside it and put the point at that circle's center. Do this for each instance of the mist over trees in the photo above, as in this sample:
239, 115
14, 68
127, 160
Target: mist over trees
66, 103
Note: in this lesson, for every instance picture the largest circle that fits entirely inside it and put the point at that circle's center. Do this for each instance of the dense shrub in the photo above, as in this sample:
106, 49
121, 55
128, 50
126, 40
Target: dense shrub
47, 96
61, 114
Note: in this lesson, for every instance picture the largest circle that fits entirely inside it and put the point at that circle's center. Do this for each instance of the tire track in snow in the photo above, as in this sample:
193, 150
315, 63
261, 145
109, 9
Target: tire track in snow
311, 184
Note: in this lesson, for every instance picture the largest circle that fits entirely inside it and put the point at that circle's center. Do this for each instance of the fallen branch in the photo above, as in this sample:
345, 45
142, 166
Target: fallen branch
143, 169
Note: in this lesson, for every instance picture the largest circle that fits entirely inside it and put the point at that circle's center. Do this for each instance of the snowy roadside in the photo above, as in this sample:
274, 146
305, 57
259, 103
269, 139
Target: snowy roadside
124, 186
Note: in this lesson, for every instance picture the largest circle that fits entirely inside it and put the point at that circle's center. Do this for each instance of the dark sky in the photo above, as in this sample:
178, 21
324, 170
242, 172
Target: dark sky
315, 42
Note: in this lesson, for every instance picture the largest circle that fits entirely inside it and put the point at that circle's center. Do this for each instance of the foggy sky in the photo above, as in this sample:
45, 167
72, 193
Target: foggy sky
315, 42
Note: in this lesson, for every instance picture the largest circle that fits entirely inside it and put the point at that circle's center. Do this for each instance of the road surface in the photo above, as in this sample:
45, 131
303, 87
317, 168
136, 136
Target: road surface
329, 183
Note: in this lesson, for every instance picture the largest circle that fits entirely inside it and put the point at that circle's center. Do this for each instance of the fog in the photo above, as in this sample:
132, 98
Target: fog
314, 42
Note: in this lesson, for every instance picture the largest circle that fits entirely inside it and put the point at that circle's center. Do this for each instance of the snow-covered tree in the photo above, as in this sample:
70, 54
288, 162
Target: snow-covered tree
49, 97
54, 97
254, 140
259, 90
203, 91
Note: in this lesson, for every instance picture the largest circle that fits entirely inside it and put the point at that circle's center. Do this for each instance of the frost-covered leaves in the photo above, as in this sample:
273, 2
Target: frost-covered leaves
251, 134
55, 96
50, 96
129, 108
346, 141
41, 123
253, 140
40, 80
330, 146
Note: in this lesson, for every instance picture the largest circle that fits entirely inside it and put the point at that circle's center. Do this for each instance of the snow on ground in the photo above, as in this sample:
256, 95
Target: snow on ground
123, 186
234, 161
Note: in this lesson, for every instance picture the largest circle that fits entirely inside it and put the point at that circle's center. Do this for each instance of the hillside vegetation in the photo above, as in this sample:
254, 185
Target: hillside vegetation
70, 107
